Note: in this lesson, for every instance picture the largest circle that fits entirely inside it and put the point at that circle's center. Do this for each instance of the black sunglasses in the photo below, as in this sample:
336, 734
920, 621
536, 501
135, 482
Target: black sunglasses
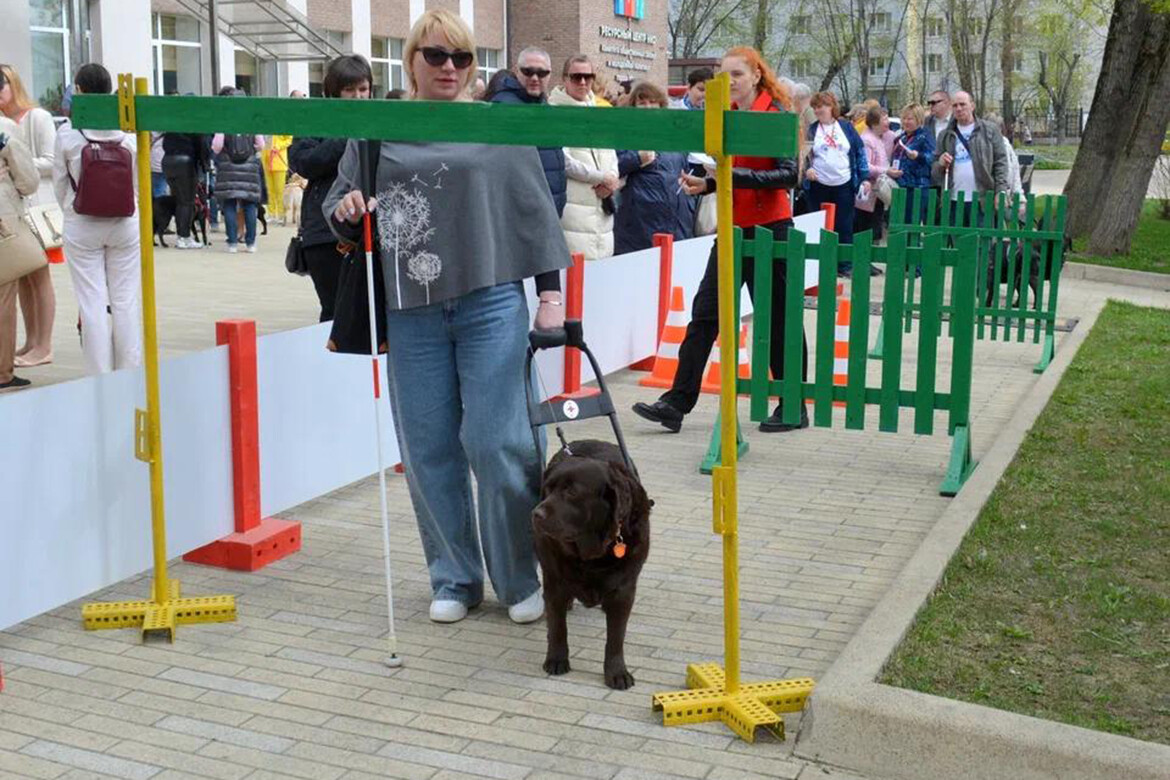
540, 73
581, 77
933, 102
436, 57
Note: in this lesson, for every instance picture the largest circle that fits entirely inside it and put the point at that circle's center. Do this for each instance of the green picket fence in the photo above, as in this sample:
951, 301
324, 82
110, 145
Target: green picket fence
1021, 246
900, 259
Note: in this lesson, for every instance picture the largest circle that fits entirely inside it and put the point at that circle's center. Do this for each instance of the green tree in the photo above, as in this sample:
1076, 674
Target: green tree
1126, 127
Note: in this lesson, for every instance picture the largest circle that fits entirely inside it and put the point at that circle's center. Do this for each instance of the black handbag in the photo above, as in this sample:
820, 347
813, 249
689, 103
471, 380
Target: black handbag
350, 333
294, 257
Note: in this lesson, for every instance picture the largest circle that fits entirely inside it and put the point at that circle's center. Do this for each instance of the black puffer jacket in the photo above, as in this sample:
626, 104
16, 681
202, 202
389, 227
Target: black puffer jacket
239, 181
316, 159
552, 159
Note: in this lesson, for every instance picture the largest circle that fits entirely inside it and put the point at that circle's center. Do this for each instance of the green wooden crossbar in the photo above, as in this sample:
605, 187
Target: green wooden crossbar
1001, 232
900, 258
767, 134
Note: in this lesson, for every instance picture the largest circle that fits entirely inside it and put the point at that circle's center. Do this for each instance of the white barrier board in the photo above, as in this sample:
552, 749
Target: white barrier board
76, 508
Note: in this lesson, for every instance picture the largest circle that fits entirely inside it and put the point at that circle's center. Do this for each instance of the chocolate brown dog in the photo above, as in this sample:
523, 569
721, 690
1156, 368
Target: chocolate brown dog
592, 535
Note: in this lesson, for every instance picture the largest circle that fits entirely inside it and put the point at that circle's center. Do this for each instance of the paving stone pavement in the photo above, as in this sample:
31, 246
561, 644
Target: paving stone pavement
296, 688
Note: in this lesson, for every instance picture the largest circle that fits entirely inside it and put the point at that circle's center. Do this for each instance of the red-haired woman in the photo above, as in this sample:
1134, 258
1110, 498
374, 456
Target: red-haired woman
760, 198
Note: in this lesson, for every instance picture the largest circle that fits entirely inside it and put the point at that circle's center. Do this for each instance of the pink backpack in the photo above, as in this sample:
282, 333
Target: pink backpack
107, 180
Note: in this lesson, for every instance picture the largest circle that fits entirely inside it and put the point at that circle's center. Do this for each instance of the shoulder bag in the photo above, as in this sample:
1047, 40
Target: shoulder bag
20, 252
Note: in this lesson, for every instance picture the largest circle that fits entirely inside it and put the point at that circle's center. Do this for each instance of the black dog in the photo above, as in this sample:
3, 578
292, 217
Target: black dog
163, 211
592, 535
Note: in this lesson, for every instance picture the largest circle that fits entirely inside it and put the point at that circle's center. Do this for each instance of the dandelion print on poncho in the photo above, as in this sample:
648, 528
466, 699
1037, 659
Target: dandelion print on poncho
454, 218
404, 222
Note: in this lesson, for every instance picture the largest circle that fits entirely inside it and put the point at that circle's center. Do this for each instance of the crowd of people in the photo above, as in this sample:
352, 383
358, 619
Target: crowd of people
454, 318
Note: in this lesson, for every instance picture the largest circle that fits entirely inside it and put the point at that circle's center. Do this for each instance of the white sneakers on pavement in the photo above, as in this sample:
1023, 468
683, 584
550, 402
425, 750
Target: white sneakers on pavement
188, 243
232, 249
529, 610
448, 611
251, 249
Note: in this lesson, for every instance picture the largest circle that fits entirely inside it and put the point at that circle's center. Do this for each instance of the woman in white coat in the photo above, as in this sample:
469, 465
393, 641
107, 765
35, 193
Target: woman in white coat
592, 173
38, 302
103, 253
18, 179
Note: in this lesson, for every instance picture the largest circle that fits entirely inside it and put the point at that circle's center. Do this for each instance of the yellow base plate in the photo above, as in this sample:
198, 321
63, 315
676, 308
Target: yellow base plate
756, 705
155, 618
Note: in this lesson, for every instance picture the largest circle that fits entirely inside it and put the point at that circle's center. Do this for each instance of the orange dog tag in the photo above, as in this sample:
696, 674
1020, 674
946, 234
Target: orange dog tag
619, 550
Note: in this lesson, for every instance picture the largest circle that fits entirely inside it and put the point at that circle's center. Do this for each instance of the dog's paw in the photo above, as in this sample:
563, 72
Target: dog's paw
620, 679
556, 666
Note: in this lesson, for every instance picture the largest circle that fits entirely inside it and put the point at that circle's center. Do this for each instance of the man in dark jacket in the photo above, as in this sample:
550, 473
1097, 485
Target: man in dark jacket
535, 68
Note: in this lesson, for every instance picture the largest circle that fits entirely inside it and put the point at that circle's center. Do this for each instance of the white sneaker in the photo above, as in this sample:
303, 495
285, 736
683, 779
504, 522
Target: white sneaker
194, 243
232, 249
448, 611
529, 610
182, 243
251, 249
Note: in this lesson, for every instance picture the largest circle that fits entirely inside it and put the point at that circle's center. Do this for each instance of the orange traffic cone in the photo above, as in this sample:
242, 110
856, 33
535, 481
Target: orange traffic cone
666, 361
841, 347
711, 383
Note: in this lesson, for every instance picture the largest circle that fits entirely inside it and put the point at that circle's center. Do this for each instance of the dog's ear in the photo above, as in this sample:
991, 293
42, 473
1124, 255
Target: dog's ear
630, 499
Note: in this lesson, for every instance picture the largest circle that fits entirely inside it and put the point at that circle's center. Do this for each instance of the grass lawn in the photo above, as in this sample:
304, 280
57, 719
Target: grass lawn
1051, 158
1057, 603
1150, 250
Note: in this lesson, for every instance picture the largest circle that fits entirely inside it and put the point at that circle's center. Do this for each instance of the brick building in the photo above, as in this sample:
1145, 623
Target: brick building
270, 47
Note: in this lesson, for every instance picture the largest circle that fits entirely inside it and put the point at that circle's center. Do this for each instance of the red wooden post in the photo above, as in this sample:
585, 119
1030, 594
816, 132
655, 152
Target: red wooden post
575, 310
830, 210
665, 244
257, 541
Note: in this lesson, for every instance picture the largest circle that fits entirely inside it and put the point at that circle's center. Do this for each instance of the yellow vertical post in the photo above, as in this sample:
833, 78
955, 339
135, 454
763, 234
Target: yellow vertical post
150, 347
724, 484
715, 692
165, 610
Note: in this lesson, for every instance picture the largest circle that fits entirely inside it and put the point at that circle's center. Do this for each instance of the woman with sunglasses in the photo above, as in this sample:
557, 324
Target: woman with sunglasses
760, 198
592, 173
459, 228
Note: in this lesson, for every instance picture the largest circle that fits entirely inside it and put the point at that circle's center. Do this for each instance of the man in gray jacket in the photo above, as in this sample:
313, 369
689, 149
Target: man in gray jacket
971, 152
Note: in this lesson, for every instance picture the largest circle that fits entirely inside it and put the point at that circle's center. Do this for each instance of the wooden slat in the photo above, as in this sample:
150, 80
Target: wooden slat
892, 322
1025, 266
826, 327
858, 332
1054, 224
746, 132
966, 269
792, 396
762, 311
928, 335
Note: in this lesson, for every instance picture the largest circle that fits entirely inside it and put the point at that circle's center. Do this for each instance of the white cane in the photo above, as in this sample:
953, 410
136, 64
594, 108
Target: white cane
392, 660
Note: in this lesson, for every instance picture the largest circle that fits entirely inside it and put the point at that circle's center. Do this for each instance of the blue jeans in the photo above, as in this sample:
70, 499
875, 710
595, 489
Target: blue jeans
456, 372
229, 221
158, 185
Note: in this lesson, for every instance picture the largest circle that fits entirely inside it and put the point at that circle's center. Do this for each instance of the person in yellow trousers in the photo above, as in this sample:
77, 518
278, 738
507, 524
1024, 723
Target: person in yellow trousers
276, 169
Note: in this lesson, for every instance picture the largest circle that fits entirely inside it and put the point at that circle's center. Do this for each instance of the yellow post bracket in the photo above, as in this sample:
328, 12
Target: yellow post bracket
165, 610
714, 692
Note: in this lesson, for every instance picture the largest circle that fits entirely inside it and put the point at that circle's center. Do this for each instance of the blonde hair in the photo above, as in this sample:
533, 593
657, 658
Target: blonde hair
916, 111
19, 94
457, 34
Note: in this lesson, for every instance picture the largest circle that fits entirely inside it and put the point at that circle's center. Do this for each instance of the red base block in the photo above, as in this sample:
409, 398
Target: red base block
270, 541
584, 392
55, 255
643, 365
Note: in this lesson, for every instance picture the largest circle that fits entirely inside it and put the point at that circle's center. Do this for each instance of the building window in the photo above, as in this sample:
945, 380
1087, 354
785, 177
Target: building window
386, 60
317, 69
247, 73
178, 68
877, 66
489, 63
1017, 63
935, 27
802, 68
934, 63
51, 68
882, 21
801, 25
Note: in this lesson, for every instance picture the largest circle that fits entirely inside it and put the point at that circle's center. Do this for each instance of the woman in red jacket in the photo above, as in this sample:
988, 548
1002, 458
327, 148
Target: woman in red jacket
760, 198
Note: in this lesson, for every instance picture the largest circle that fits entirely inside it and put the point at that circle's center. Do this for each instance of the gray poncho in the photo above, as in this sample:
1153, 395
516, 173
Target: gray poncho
453, 218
